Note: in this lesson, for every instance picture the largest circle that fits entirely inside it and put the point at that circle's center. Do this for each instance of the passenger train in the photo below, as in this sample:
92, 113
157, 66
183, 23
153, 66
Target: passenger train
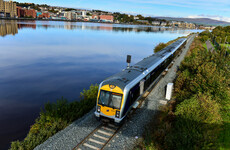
118, 93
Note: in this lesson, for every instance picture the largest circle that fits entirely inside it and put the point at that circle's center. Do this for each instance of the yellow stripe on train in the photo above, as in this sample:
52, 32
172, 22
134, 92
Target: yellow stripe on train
112, 88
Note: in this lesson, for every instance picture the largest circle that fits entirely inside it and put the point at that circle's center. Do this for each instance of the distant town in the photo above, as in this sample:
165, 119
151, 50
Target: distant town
15, 10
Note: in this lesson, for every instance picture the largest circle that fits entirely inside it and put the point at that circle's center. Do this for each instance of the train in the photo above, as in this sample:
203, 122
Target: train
118, 94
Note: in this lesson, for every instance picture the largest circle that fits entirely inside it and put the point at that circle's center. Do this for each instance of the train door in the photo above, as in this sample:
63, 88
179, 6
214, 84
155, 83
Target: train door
147, 82
142, 85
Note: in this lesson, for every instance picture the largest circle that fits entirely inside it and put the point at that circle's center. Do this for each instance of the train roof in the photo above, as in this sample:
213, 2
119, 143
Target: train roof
126, 76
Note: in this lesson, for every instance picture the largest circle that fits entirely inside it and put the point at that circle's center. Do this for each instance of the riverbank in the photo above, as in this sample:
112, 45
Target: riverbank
55, 117
36, 19
198, 117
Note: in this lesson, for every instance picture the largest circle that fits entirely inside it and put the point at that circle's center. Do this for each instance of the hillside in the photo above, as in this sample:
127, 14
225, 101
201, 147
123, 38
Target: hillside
200, 21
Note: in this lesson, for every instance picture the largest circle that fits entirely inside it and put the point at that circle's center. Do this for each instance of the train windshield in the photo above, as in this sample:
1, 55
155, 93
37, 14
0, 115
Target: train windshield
110, 99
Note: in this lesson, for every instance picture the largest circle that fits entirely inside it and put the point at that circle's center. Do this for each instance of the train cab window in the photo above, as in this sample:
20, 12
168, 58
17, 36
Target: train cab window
110, 99
115, 100
104, 97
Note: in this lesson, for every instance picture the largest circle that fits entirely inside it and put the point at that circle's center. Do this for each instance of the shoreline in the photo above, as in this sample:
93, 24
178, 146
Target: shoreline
36, 19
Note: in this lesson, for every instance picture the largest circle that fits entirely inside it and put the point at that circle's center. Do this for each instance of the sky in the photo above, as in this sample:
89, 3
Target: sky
214, 9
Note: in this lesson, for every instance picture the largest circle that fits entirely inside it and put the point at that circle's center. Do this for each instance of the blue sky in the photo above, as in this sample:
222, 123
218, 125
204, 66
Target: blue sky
215, 9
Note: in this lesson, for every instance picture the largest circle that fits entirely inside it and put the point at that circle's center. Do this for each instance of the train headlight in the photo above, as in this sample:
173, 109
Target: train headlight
98, 108
117, 114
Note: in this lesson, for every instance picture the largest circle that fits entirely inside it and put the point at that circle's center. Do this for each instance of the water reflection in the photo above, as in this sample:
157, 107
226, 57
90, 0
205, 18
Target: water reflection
11, 27
46, 60
21, 26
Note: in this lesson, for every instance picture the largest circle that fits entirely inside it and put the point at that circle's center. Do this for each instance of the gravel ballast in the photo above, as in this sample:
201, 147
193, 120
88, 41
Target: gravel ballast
130, 132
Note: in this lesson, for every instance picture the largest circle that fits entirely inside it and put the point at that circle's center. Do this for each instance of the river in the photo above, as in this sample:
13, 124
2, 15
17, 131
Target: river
42, 61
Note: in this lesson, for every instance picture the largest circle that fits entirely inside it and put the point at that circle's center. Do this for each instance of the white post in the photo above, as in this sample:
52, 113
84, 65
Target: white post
169, 91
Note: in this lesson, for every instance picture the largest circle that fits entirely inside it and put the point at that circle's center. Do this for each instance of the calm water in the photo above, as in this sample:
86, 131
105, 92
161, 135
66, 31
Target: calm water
41, 61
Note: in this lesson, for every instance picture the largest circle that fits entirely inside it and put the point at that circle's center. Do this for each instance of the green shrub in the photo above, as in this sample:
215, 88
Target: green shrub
205, 35
197, 124
55, 117
159, 47
200, 117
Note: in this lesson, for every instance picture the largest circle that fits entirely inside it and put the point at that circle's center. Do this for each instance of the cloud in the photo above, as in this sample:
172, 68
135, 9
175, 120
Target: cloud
215, 17
220, 5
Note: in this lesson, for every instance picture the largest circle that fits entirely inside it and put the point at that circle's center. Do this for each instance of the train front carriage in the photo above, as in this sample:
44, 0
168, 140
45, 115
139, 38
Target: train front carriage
109, 102
118, 93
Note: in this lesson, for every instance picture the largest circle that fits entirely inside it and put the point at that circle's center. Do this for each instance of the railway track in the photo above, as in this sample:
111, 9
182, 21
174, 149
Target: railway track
98, 138
103, 134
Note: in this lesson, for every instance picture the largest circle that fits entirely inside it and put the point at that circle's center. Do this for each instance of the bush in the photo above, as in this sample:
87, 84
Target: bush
159, 47
200, 118
197, 124
55, 117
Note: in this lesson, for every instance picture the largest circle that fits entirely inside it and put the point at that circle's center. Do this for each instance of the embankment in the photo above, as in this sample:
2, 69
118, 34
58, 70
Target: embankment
198, 117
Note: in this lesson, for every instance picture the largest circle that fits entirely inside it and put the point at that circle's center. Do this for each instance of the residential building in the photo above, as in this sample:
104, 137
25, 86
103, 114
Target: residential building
156, 23
143, 21
190, 25
30, 13
24, 12
8, 9
106, 18
83, 13
176, 24
20, 12
2, 8
163, 23
96, 17
170, 23
136, 18
68, 15
116, 21
44, 15
39, 13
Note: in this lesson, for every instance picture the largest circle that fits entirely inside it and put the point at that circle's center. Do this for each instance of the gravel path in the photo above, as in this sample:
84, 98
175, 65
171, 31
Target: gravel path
131, 131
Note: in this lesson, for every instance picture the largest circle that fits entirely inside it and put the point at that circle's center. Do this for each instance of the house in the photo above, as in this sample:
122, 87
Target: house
106, 18
156, 23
